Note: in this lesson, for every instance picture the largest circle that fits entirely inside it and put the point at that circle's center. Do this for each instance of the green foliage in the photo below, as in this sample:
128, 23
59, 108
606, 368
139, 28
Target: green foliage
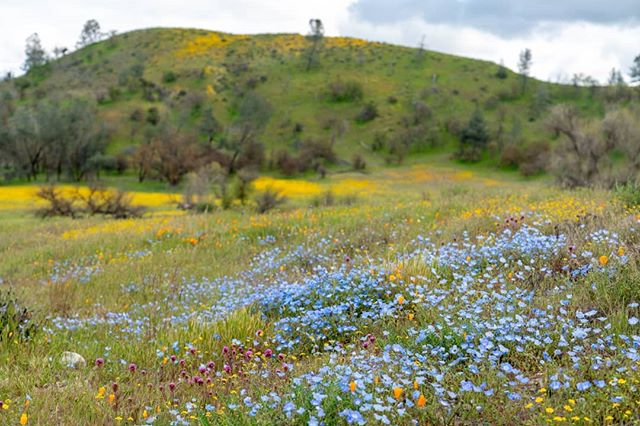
345, 91
214, 75
169, 77
17, 322
635, 70
473, 138
501, 72
628, 193
368, 113
268, 200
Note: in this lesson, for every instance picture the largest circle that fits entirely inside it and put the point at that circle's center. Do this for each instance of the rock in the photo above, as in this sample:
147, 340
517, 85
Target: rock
72, 360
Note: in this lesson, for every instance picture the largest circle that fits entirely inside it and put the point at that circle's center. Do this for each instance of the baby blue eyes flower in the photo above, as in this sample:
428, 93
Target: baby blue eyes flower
583, 386
633, 321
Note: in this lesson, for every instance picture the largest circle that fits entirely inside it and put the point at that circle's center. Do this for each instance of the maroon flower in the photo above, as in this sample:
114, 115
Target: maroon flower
99, 362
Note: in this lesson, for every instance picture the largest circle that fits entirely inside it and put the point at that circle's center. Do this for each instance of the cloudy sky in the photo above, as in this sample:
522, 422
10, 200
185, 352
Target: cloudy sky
565, 36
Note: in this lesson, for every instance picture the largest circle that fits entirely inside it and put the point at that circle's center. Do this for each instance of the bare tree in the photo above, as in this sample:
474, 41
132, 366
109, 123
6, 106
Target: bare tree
583, 156
315, 36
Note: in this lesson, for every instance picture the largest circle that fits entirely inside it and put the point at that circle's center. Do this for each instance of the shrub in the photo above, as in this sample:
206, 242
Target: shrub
59, 205
243, 184
169, 77
345, 91
534, 158
628, 193
16, 321
108, 202
268, 200
358, 162
287, 163
379, 141
328, 199
153, 116
368, 113
501, 73
96, 200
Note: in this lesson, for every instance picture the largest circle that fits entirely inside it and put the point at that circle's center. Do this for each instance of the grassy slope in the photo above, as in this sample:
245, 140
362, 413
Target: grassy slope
203, 59
92, 270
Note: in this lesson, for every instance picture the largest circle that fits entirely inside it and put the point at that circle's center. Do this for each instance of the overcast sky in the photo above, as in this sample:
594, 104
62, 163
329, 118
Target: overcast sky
565, 36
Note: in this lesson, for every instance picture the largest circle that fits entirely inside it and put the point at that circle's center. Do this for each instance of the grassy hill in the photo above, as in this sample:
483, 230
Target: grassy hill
184, 72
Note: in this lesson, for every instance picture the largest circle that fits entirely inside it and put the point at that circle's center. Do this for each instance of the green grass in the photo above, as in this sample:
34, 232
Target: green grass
151, 265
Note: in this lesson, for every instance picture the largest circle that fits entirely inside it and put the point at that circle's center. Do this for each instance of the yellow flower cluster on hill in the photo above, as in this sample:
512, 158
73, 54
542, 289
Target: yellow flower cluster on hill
203, 44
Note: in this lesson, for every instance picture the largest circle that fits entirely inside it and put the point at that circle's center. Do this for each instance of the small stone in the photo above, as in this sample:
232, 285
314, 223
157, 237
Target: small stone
72, 360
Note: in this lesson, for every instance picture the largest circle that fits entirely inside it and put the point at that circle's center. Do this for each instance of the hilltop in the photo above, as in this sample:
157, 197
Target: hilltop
405, 101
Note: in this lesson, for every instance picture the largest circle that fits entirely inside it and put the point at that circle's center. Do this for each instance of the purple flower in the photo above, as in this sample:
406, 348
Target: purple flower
99, 362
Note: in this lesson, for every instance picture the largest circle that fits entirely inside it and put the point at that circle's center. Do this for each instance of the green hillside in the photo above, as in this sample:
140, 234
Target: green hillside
423, 98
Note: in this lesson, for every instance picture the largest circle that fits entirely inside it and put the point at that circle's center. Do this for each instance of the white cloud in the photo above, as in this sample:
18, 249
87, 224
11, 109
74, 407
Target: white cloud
558, 49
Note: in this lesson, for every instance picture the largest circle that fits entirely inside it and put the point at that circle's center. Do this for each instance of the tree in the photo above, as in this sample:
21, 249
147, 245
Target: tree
473, 138
84, 136
209, 125
315, 36
635, 70
175, 155
501, 72
583, 156
254, 112
615, 78
524, 67
90, 34
53, 137
35, 53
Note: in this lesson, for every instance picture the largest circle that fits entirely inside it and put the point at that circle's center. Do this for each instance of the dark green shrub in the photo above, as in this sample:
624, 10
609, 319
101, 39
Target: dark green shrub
16, 321
345, 91
368, 113
169, 77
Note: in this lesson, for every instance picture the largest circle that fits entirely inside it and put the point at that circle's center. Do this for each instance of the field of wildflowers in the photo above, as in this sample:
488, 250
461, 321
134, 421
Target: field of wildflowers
435, 297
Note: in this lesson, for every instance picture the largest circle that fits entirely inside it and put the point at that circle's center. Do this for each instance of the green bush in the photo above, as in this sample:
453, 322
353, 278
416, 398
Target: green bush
16, 321
345, 91
628, 193
169, 77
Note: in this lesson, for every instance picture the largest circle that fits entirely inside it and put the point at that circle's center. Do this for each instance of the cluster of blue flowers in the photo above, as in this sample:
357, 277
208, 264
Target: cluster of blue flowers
481, 295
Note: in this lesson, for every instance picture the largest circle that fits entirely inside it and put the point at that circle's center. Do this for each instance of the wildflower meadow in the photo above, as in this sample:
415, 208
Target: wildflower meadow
454, 298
